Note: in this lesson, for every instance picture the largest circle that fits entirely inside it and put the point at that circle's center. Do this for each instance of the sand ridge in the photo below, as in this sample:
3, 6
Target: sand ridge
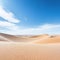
40, 47
39, 39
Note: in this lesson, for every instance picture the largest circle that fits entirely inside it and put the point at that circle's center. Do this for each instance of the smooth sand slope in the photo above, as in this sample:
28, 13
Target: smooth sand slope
40, 47
49, 39
14, 38
21, 51
21, 38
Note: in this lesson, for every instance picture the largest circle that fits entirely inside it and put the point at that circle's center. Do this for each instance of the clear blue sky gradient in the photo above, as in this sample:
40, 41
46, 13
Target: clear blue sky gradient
34, 12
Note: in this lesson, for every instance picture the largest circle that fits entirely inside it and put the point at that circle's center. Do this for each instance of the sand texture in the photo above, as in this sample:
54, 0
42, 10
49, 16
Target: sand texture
40, 47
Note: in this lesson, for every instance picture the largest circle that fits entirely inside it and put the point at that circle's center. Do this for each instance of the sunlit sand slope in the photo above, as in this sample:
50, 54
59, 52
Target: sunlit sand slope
21, 38
39, 47
22, 51
51, 39
14, 38
39, 39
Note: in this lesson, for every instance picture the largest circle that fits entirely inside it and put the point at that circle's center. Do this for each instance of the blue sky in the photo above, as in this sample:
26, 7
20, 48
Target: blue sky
30, 16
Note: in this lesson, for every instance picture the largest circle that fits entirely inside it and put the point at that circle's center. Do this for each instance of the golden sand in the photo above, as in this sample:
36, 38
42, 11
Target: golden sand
43, 47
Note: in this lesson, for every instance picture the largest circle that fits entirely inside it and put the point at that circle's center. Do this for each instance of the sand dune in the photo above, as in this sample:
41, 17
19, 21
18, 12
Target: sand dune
4, 39
36, 47
45, 38
40, 36
50, 39
23, 51
21, 38
13, 38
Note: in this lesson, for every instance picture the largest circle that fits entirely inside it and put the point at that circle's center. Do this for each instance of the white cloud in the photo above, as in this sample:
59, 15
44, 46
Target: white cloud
9, 26
5, 24
9, 23
8, 16
49, 26
42, 29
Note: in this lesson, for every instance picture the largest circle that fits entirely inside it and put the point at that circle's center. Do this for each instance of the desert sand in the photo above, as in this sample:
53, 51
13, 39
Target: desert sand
39, 47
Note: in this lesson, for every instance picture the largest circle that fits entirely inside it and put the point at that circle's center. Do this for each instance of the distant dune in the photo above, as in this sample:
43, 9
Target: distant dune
39, 39
49, 39
40, 36
20, 38
14, 38
24, 47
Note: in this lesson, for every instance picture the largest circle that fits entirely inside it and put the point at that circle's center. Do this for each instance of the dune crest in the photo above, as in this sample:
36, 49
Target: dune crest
38, 39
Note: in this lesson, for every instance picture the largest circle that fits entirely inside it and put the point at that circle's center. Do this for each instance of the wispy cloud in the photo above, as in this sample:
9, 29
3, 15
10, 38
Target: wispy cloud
8, 25
42, 29
8, 16
9, 22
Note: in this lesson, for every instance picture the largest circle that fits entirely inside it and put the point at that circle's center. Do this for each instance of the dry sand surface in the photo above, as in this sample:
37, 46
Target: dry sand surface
25, 51
40, 47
